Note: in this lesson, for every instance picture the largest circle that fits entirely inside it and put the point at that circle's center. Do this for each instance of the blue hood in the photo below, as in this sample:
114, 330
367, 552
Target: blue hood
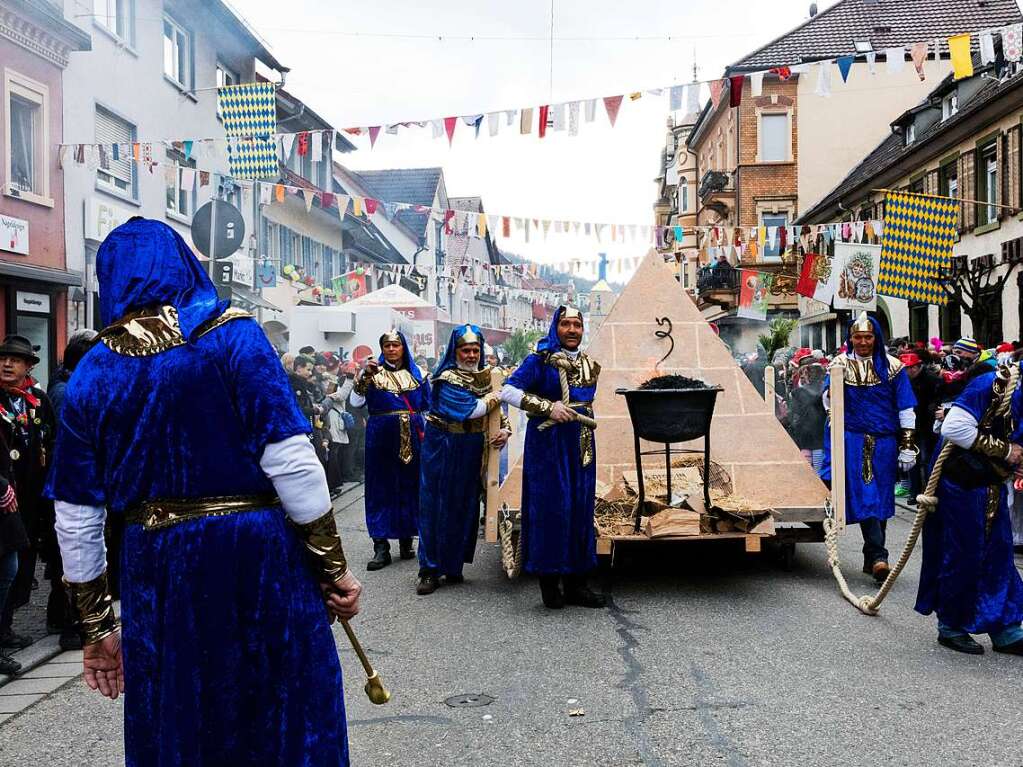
550, 343
407, 360
880, 349
449, 354
145, 263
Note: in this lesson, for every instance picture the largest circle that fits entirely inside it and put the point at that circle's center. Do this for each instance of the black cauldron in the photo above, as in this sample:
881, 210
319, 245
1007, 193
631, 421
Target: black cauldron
671, 415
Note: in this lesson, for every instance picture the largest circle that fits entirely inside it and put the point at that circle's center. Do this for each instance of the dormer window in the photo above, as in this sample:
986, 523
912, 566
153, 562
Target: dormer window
910, 134
949, 105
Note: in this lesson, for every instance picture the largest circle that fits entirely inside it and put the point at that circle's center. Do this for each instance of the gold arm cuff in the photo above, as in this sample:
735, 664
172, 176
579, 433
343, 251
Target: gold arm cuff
321, 539
95, 608
492, 400
506, 424
361, 385
536, 405
907, 440
991, 446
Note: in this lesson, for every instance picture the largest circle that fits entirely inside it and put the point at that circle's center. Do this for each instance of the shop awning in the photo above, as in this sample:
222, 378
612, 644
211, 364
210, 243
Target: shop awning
251, 298
39, 274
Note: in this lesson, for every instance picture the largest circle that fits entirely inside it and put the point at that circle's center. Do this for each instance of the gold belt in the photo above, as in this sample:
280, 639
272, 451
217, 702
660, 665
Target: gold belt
587, 406
472, 426
397, 412
164, 512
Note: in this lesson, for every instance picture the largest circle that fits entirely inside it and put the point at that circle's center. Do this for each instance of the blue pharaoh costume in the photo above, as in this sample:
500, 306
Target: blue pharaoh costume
228, 656
396, 399
559, 463
453, 453
968, 576
878, 393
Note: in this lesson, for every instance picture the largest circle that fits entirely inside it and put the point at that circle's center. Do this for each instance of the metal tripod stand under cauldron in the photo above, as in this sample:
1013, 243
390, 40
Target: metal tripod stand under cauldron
670, 416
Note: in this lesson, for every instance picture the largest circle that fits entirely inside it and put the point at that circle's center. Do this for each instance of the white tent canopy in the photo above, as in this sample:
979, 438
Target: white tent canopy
390, 295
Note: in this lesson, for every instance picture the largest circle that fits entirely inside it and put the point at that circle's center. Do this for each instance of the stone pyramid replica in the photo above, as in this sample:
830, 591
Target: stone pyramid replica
747, 440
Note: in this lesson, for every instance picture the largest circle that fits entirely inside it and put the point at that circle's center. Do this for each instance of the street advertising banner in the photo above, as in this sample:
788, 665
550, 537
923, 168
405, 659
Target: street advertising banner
754, 294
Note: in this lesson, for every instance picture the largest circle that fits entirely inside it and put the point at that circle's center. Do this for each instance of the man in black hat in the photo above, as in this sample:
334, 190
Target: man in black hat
33, 427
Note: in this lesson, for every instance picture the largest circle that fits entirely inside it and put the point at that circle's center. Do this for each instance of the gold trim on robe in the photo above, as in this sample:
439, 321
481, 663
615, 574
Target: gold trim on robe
869, 443
156, 329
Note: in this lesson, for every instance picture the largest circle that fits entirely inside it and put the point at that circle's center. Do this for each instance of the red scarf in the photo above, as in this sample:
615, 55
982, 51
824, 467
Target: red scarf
25, 394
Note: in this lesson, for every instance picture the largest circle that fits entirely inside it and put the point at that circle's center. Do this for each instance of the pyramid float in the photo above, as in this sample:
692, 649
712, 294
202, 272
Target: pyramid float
747, 440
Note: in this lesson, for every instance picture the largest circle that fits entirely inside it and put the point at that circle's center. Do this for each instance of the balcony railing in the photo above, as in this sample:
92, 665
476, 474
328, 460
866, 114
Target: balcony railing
717, 278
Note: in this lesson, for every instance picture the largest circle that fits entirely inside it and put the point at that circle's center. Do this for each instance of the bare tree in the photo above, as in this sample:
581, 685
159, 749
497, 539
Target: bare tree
976, 285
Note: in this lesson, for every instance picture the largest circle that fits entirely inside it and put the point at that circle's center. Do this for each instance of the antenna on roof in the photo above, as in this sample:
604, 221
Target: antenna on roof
813, 10
696, 76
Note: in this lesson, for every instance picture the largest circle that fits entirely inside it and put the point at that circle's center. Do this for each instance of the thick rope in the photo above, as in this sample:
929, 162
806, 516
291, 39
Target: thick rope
927, 502
511, 548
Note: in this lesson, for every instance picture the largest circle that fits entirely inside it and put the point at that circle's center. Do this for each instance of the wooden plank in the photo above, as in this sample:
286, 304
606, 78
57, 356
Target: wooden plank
493, 484
769, 386
673, 538
837, 397
752, 544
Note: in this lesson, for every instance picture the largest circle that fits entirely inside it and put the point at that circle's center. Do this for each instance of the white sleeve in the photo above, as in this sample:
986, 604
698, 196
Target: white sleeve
959, 428
907, 418
480, 410
342, 392
298, 478
355, 399
80, 535
512, 395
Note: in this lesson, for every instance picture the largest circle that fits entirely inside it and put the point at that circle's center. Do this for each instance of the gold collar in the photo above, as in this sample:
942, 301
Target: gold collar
582, 371
151, 331
477, 382
862, 373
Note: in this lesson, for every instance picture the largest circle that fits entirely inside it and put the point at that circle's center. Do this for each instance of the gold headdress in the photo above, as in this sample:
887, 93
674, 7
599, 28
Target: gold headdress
390, 335
862, 324
572, 312
468, 337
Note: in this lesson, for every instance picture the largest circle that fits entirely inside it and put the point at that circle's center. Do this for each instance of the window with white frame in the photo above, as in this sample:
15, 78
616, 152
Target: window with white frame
177, 52
116, 17
116, 172
988, 186
225, 77
683, 195
181, 181
949, 105
774, 137
910, 133
26, 134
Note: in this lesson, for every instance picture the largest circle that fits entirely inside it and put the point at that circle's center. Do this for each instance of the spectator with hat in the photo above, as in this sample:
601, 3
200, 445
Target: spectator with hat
926, 388
32, 425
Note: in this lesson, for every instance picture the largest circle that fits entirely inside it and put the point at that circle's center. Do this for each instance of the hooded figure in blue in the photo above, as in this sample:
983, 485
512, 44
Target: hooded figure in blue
396, 394
180, 421
880, 422
968, 576
452, 462
559, 463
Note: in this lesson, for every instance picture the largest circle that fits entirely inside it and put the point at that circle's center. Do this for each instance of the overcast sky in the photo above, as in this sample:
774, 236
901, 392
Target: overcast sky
358, 64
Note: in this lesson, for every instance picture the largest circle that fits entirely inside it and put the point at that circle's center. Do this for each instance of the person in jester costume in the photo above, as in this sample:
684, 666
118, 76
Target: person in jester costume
559, 463
880, 423
396, 394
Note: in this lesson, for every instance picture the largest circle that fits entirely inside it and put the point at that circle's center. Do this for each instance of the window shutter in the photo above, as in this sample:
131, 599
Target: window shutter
1012, 168
113, 130
968, 189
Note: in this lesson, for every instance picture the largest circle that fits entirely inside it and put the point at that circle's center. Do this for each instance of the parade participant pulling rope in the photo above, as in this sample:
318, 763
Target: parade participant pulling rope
927, 501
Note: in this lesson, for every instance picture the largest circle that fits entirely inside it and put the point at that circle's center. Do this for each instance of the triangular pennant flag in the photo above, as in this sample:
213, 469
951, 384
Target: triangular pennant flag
493, 123
756, 84
342, 204
987, 47
526, 121
871, 60
675, 98
279, 192
449, 128
374, 131
962, 61
735, 83
573, 119
919, 53
287, 141
844, 66
308, 194
693, 98
542, 124
357, 205
717, 87
823, 79
612, 104
591, 110
186, 148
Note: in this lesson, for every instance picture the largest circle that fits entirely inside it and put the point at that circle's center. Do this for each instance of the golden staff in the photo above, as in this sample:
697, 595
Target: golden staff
375, 690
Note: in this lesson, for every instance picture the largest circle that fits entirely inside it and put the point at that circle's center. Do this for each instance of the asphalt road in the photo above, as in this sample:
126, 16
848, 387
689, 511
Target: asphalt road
705, 655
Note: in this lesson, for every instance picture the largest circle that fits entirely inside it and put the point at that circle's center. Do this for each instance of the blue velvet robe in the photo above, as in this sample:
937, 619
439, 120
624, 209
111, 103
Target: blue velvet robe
228, 656
968, 576
392, 485
558, 490
871, 410
451, 474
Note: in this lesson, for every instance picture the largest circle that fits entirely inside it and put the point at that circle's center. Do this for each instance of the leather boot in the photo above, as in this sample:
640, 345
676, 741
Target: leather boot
1013, 648
552, 598
381, 554
427, 584
880, 572
578, 593
963, 643
407, 552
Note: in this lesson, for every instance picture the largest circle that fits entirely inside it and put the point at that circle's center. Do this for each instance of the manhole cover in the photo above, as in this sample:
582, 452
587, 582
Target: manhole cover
469, 700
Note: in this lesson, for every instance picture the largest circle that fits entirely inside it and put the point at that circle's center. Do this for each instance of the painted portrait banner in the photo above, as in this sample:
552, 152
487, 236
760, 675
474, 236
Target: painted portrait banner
754, 294
854, 269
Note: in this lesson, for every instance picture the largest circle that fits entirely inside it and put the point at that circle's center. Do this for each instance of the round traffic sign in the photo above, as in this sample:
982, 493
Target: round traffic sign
228, 223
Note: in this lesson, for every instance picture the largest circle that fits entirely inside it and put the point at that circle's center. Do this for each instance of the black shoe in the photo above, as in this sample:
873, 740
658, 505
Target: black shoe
963, 643
406, 551
12, 641
8, 665
70, 640
381, 555
1015, 648
880, 572
552, 597
427, 585
579, 594
453, 580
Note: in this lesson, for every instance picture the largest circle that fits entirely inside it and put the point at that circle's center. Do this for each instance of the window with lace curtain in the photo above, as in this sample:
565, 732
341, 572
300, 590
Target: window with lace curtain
26, 137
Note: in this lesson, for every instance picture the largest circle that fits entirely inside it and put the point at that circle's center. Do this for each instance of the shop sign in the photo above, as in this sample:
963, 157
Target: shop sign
101, 218
13, 235
33, 302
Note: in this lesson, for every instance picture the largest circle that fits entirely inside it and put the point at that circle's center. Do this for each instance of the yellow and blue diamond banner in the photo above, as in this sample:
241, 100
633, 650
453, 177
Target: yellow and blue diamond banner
249, 113
919, 234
